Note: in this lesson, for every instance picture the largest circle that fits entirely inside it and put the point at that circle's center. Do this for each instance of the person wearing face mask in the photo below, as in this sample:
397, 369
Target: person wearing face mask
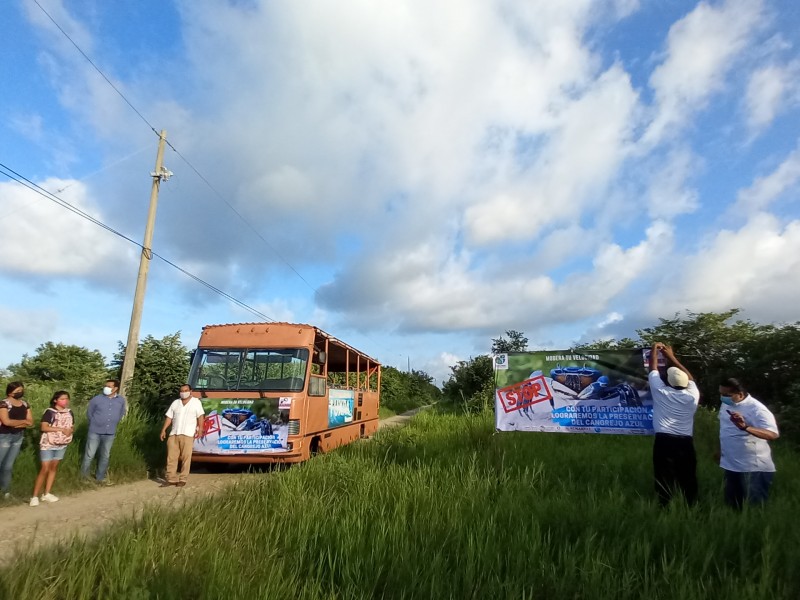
185, 416
57, 426
746, 427
104, 413
15, 416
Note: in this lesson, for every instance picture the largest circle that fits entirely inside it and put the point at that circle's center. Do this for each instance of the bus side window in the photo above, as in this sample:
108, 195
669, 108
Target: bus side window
316, 386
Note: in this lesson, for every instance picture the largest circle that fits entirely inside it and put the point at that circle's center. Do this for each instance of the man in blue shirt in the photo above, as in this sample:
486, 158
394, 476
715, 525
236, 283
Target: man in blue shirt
104, 413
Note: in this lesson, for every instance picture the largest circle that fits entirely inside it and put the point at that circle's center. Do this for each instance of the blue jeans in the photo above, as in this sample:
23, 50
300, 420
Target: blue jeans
747, 487
95, 442
10, 444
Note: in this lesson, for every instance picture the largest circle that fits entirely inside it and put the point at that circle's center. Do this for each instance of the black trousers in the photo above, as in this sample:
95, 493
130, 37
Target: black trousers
675, 467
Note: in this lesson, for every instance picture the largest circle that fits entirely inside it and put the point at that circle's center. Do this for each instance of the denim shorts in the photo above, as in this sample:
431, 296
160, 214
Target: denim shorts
52, 453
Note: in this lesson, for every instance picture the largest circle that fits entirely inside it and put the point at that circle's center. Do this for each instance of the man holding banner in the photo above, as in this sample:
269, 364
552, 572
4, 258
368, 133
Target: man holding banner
674, 405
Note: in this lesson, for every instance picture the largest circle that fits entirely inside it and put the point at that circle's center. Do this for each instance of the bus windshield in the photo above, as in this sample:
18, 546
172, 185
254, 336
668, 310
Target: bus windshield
279, 370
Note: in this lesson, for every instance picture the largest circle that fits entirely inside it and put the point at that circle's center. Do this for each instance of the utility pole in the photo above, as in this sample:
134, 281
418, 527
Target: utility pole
132, 346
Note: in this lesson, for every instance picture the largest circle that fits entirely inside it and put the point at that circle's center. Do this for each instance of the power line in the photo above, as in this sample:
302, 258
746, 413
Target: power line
189, 164
24, 181
96, 68
84, 178
103, 168
192, 167
241, 217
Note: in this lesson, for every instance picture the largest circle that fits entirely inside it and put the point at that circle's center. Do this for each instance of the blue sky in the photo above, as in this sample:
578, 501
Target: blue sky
436, 174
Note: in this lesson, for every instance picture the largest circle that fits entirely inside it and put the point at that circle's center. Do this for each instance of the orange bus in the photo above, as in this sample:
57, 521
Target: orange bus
280, 393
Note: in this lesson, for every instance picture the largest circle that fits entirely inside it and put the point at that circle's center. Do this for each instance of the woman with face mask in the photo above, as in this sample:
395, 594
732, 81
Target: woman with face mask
57, 426
15, 416
746, 427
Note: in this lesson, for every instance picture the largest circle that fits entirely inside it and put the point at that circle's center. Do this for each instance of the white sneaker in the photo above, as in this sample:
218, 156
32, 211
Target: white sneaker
7, 496
50, 498
34, 501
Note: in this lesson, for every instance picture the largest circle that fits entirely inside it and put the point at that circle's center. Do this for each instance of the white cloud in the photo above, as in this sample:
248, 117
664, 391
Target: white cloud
771, 90
29, 125
754, 268
27, 327
767, 189
701, 49
574, 168
278, 310
429, 289
438, 367
452, 161
48, 241
669, 195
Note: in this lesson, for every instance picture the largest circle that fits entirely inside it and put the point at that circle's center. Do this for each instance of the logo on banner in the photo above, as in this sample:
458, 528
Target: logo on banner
524, 394
501, 362
211, 424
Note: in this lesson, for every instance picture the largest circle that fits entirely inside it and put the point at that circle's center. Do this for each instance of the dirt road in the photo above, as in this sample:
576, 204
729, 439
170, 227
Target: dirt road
89, 512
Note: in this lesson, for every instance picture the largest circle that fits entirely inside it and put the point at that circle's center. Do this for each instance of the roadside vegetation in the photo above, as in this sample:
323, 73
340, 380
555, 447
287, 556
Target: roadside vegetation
713, 346
162, 365
445, 508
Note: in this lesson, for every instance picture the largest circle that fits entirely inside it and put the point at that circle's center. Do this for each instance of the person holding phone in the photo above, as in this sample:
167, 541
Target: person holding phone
674, 405
746, 427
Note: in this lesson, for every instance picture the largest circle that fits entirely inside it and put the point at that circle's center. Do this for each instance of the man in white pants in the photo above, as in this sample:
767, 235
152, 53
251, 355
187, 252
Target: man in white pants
186, 417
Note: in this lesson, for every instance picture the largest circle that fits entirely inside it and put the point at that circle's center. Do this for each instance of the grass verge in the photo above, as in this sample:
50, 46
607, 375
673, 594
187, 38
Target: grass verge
444, 508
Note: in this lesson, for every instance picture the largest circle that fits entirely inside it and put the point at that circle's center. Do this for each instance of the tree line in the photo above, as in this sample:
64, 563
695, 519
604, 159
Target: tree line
162, 365
712, 345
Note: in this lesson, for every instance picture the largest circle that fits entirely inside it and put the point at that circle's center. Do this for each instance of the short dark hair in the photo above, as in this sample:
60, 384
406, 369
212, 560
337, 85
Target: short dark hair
114, 381
734, 384
12, 385
58, 395
186, 385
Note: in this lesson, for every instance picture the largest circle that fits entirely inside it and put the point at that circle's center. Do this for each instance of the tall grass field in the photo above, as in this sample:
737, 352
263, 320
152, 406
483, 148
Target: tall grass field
136, 452
445, 508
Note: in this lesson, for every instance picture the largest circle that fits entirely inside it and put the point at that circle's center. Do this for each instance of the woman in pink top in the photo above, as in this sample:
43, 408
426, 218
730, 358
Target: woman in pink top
57, 426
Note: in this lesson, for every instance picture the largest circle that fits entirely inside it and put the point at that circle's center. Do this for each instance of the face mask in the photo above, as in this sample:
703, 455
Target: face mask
185, 395
107, 390
62, 403
17, 395
727, 400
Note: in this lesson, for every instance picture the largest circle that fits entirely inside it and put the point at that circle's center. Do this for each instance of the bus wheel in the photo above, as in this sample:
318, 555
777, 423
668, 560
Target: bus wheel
316, 446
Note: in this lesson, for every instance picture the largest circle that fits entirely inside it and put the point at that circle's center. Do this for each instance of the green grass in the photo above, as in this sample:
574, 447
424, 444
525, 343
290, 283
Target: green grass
444, 508
385, 413
136, 452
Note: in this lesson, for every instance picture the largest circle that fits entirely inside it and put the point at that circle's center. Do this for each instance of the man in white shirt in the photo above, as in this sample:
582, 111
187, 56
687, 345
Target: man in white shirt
745, 429
674, 405
186, 417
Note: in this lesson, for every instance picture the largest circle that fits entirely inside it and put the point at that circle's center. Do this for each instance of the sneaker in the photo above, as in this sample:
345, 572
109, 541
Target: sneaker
34, 501
49, 498
106, 482
7, 496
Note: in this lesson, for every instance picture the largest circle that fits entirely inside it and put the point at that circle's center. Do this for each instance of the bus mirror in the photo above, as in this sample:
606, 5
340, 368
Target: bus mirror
321, 357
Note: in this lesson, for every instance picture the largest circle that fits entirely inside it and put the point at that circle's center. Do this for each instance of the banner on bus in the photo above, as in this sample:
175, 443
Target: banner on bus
244, 426
599, 392
340, 407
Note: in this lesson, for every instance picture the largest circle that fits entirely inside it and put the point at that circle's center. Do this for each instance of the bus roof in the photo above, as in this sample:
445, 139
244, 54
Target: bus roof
277, 335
